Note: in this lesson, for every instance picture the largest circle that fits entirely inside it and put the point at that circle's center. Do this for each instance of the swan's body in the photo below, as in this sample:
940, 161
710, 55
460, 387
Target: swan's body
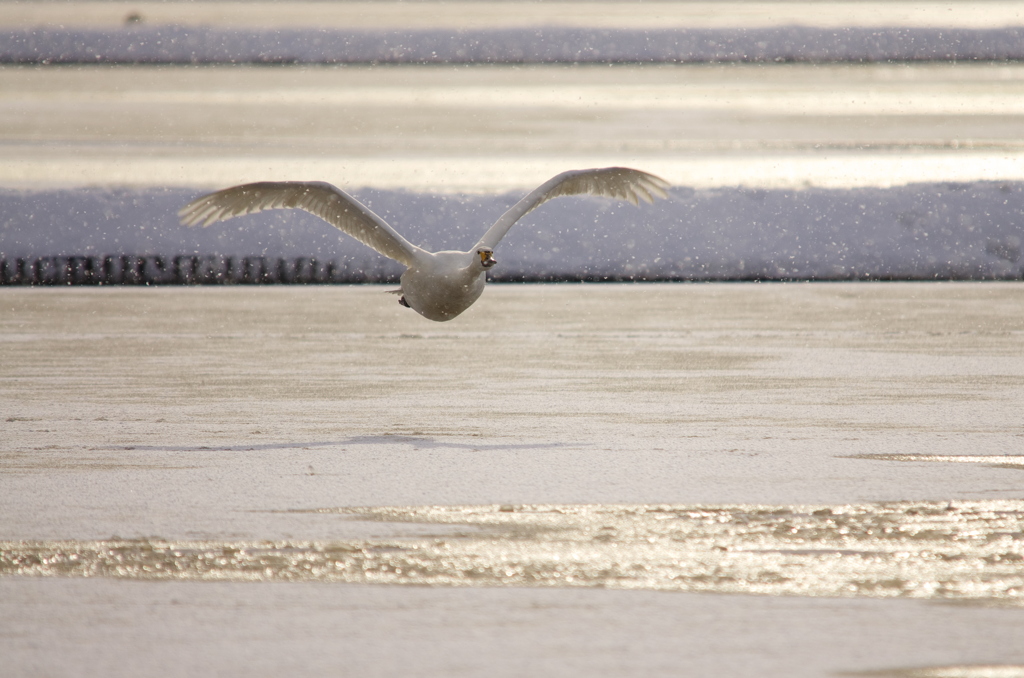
437, 285
442, 285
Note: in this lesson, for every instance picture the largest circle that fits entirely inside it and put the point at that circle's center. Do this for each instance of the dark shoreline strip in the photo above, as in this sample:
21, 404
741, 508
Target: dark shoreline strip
202, 45
184, 269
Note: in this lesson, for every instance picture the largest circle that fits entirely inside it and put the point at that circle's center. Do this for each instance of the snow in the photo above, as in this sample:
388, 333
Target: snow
927, 231
177, 44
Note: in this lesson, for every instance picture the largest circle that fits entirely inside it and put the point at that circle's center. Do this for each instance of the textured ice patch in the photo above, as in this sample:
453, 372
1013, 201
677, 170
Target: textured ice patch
929, 550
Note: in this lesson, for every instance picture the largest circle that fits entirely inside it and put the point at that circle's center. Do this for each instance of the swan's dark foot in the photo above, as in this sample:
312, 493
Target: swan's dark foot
403, 302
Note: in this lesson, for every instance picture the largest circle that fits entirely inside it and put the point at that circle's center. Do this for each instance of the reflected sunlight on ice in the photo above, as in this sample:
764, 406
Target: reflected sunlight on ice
980, 671
931, 550
1000, 460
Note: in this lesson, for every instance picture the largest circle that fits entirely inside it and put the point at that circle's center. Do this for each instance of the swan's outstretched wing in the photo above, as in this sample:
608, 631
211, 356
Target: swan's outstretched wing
316, 197
611, 182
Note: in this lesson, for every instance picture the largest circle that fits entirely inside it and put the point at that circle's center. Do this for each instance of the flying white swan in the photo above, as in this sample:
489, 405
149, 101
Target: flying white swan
437, 285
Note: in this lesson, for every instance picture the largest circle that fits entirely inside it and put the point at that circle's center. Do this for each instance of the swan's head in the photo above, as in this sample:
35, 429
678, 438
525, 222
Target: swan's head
486, 255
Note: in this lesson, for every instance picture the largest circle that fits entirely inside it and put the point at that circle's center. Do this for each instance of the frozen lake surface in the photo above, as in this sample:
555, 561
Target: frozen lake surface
496, 128
854, 441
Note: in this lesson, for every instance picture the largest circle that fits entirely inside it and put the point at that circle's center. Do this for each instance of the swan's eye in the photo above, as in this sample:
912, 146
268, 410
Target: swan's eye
487, 258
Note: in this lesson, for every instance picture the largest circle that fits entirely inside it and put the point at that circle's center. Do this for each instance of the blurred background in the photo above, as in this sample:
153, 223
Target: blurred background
805, 140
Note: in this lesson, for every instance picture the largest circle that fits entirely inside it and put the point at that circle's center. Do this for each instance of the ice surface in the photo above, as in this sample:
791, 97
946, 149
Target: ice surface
237, 415
220, 413
107, 628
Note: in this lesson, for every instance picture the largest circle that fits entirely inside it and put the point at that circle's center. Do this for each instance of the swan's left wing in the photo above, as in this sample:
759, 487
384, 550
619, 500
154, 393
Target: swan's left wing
622, 183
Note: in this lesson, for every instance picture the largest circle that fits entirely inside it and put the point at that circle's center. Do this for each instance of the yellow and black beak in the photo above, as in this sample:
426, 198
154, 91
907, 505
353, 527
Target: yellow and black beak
487, 258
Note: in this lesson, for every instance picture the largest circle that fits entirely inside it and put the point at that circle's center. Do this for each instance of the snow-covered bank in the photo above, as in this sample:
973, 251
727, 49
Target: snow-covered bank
969, 231
179, 44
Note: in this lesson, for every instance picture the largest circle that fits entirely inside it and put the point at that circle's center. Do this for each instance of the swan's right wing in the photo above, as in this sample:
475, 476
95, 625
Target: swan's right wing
316, 197
622, 183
